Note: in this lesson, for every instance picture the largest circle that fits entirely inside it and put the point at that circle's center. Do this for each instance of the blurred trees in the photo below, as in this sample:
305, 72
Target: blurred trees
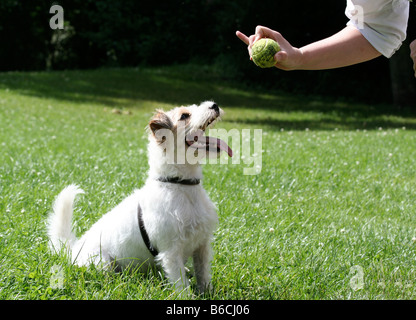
135, 32
403, 84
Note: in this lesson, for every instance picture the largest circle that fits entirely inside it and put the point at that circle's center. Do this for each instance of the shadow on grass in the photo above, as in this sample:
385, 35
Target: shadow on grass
130, 87
331, 124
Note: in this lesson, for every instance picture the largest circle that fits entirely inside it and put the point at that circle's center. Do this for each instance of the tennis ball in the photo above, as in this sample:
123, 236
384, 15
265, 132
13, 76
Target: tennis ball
263, 51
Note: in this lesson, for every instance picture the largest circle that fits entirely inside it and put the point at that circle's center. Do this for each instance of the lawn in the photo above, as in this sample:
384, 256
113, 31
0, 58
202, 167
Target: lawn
331, 215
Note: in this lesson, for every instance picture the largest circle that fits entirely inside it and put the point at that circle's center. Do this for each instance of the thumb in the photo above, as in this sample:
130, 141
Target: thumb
280, 56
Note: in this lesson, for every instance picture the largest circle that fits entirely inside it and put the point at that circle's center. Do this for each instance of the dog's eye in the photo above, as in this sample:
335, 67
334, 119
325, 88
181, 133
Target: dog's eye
185, 116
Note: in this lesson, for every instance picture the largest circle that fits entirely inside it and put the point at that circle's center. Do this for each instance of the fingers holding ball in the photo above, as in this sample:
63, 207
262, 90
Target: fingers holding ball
263, 51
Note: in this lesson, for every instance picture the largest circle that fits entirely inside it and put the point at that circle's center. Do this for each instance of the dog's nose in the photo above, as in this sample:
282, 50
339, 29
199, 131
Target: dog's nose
215, 108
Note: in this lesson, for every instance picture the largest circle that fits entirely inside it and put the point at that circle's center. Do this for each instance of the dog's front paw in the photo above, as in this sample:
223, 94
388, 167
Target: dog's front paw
204, 288
183, 293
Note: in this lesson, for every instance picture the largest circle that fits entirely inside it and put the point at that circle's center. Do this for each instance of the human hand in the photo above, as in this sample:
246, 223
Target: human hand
413, 54
288, 58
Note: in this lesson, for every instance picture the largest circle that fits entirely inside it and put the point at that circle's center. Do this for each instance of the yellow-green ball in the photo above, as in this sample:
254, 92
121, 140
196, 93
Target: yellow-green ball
263, 51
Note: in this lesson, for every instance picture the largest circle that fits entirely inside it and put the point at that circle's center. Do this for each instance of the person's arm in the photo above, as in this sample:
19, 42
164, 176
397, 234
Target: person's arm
413, 54
344, 48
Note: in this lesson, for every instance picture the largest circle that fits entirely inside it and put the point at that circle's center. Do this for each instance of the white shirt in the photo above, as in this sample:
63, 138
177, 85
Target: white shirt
382, 22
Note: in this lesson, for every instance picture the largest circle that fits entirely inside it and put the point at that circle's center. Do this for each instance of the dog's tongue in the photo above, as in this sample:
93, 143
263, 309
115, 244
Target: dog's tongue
211, 143
219, 144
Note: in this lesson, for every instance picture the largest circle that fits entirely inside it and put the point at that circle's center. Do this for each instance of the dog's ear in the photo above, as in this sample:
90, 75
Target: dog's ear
160, 121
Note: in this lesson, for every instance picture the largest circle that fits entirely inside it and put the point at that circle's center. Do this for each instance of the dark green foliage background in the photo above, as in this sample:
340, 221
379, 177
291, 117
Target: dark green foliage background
109, 33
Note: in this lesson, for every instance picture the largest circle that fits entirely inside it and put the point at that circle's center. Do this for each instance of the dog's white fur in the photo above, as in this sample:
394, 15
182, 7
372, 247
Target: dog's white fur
179, 219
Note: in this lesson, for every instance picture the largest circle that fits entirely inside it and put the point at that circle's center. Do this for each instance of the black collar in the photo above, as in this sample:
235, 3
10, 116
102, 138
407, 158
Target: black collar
187, 182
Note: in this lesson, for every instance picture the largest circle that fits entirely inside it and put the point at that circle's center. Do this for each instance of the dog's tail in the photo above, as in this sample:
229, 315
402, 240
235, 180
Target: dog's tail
60, 221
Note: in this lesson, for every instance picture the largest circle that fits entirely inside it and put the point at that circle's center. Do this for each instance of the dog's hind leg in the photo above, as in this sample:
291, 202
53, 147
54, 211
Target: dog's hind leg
97, 257
102, 260
202, 265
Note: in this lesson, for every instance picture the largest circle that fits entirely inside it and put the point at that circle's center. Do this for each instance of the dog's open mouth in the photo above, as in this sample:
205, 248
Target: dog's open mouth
210, 144
207, 124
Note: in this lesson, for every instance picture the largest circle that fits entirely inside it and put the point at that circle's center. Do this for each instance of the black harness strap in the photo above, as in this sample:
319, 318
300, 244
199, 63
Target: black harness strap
144, 234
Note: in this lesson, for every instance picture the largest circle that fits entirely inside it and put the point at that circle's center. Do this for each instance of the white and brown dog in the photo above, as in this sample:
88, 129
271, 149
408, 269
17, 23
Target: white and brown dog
169, 219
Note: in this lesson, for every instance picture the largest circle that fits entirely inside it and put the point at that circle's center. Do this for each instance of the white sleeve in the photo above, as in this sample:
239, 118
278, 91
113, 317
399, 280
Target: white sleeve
382, 22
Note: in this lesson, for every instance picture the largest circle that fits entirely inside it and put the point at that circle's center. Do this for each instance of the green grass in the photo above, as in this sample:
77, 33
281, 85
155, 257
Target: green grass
336, 188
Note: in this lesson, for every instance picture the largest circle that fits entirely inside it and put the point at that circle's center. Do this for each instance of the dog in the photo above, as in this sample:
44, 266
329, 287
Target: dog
168, 220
